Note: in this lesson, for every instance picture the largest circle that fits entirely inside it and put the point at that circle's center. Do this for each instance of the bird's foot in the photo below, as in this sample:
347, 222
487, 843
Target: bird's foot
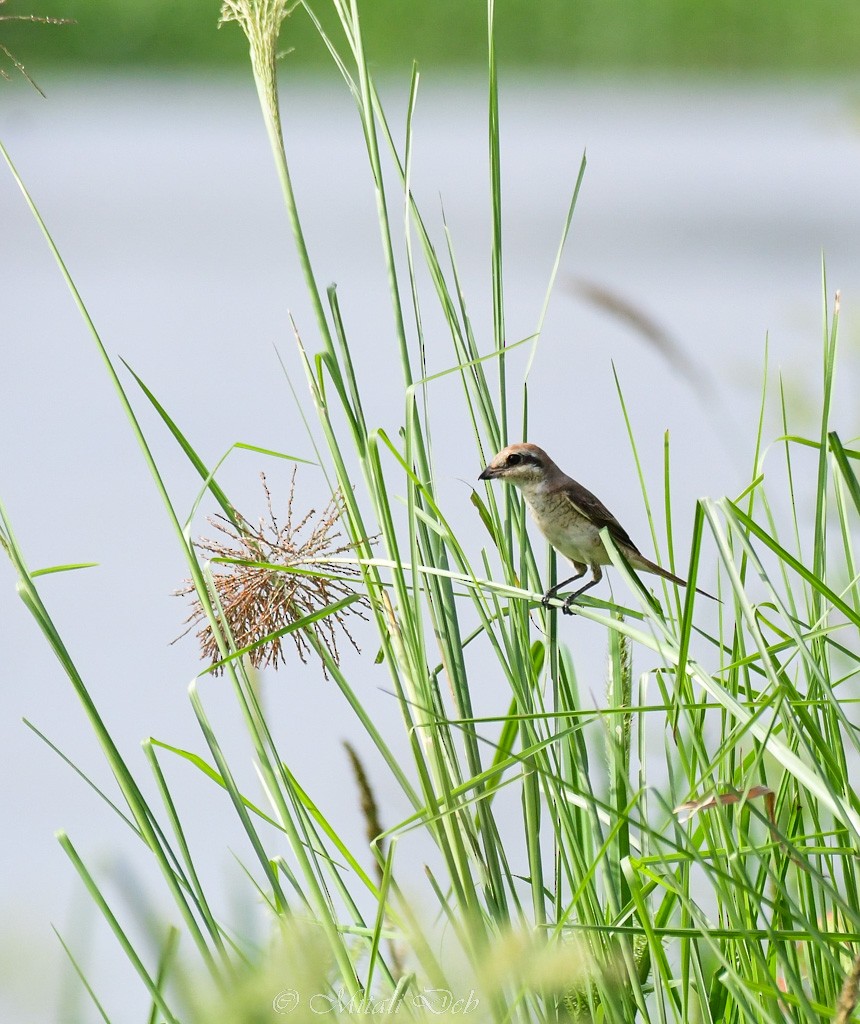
566, 607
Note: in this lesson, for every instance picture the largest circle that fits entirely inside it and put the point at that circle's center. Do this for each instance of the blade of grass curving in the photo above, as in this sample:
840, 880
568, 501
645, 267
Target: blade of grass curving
203, 766
789, 469
305, 421
376, 935
332, 49
617, 752
805, 442
209, 482
667, 500
532, 830
281, 866
757, 466
350, 395
683, 688
656, 953
407, 237
504, 747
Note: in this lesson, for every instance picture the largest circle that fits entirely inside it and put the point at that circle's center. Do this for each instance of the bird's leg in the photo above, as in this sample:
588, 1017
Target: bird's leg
581, 570
596, 577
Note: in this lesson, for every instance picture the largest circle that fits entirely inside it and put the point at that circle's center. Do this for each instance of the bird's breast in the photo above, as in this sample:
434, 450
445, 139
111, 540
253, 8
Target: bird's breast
569, 532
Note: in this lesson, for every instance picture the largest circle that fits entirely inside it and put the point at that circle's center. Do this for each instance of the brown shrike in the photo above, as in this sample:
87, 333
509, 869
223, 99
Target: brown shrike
570, 517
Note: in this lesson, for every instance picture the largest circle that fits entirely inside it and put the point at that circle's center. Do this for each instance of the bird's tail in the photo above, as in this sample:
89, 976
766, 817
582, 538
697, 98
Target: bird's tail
658, 570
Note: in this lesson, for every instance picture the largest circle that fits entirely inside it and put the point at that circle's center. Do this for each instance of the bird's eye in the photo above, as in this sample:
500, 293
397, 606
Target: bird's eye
514, 459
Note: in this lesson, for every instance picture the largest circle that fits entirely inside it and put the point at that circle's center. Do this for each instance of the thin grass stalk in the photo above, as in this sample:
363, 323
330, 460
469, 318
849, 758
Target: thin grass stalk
190, 870
149, 982
359, 533
124, 818
811, 780
278, 786
441, 803
324, 864
352, 25
475, 386
197, 576
443, 598
281, 792
82, 977
165, 966
282, 904
455, 665
496, 201
348, 13
617, 748
441, 602
261, 23
830, 330
143, 817
532, 826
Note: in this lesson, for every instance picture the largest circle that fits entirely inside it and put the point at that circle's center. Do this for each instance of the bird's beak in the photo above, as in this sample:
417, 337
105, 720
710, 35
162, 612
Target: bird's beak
488, 473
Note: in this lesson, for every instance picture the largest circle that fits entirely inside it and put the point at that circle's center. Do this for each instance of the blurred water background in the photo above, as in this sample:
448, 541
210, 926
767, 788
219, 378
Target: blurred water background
707, 204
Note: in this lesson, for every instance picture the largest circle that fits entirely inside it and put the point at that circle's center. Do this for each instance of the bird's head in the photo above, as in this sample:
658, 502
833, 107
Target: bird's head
521, 464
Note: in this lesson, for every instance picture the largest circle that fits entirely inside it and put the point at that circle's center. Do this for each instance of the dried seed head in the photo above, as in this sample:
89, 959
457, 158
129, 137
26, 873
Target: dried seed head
259, 596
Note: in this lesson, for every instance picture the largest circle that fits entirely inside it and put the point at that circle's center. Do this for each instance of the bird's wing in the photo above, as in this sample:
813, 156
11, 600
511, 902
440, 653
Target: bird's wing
590, 506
